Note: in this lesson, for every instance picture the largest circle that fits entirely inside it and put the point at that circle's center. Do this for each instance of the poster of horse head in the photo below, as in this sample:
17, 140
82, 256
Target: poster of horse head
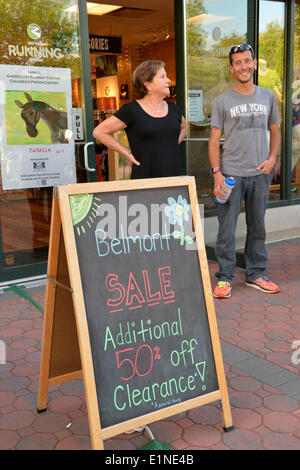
36, 117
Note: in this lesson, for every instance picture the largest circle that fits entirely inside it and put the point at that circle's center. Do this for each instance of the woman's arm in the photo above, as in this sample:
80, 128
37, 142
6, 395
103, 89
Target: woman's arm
183, 130
103, 132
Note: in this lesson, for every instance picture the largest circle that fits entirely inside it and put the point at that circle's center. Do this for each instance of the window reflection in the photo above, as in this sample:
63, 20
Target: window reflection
43, 34
270, 67
212, 28
295, 174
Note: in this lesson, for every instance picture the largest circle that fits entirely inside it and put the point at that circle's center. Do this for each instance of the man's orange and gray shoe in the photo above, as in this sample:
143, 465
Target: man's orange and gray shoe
222, 290
264, 284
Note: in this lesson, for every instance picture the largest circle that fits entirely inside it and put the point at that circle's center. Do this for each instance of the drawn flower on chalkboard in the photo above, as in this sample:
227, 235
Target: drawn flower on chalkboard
83, 210
178, 213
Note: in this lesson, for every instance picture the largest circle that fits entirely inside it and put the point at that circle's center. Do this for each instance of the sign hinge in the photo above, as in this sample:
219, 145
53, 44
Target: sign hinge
59, 284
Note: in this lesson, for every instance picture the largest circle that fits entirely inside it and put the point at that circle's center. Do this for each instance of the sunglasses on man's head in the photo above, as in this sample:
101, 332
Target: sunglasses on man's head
240, 48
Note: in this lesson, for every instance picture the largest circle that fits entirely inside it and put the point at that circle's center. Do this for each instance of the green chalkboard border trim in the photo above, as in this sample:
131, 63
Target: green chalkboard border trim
98, 434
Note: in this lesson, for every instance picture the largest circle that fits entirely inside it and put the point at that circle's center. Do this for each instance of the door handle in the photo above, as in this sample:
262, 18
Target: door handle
86, 157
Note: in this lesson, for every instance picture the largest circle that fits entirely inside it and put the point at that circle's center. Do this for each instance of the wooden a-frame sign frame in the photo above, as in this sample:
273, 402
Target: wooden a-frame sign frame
68, 356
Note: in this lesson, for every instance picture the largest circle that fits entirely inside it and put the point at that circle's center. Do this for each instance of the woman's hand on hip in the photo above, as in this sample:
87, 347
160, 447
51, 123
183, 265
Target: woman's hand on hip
129, 156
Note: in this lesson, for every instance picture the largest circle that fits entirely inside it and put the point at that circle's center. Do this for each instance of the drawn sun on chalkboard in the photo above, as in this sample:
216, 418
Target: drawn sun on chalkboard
84, 211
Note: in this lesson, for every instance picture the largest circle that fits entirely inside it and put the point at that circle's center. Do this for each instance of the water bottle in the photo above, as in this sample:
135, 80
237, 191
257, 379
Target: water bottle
229, 184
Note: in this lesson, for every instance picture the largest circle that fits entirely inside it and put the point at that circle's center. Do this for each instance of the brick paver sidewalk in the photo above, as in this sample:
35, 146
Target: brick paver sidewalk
258, 332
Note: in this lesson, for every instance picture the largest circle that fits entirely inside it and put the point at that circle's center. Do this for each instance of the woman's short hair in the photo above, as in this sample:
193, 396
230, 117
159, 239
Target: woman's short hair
145, 72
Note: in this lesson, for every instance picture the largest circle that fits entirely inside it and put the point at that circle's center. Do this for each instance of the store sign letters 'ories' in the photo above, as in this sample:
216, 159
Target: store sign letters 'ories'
108, 44
145, 305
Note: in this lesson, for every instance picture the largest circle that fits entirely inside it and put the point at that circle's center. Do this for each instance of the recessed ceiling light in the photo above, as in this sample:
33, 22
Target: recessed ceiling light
205, 18
97, 9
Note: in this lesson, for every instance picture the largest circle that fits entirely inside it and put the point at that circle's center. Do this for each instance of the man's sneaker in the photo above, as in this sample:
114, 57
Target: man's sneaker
222, 290
263, 284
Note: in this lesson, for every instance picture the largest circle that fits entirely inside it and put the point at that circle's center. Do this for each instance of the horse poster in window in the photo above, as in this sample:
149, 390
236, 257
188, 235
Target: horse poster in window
37, 141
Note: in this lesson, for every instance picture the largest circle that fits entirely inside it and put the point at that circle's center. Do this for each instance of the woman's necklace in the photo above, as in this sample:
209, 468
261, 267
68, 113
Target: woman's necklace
158, 109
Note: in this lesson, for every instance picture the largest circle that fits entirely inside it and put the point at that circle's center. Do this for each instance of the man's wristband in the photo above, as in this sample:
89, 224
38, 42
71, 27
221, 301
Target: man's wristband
214, 170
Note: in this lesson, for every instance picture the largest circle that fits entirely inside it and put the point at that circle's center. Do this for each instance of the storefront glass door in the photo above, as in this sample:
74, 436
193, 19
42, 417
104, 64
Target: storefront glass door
271, 62
45, 122
295, 160
212, 28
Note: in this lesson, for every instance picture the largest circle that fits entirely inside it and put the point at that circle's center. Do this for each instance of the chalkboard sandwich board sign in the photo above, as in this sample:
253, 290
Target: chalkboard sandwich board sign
129, 304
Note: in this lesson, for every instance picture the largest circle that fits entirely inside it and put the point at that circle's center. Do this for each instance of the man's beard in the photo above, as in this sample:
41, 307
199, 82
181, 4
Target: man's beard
246, 80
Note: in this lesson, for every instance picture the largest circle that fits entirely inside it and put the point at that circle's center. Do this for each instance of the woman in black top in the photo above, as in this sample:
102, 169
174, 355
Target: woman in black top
153, 126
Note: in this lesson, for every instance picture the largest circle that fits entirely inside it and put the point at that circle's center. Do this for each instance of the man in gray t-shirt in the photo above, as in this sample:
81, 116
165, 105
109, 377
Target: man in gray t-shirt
244, 114
245, 120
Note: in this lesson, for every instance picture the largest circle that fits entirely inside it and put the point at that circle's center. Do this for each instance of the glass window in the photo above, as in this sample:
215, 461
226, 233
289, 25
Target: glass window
295, 163
271, 68
212, 28
37, 39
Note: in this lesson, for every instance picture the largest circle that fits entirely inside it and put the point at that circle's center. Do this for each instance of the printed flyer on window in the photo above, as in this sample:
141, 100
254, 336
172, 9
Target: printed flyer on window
36, 138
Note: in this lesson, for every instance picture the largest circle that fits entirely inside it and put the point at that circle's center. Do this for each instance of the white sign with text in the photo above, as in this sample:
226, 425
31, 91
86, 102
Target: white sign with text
37, 141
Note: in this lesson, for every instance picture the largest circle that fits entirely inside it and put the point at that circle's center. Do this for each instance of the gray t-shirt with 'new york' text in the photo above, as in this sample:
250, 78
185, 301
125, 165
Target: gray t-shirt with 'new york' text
245, 120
